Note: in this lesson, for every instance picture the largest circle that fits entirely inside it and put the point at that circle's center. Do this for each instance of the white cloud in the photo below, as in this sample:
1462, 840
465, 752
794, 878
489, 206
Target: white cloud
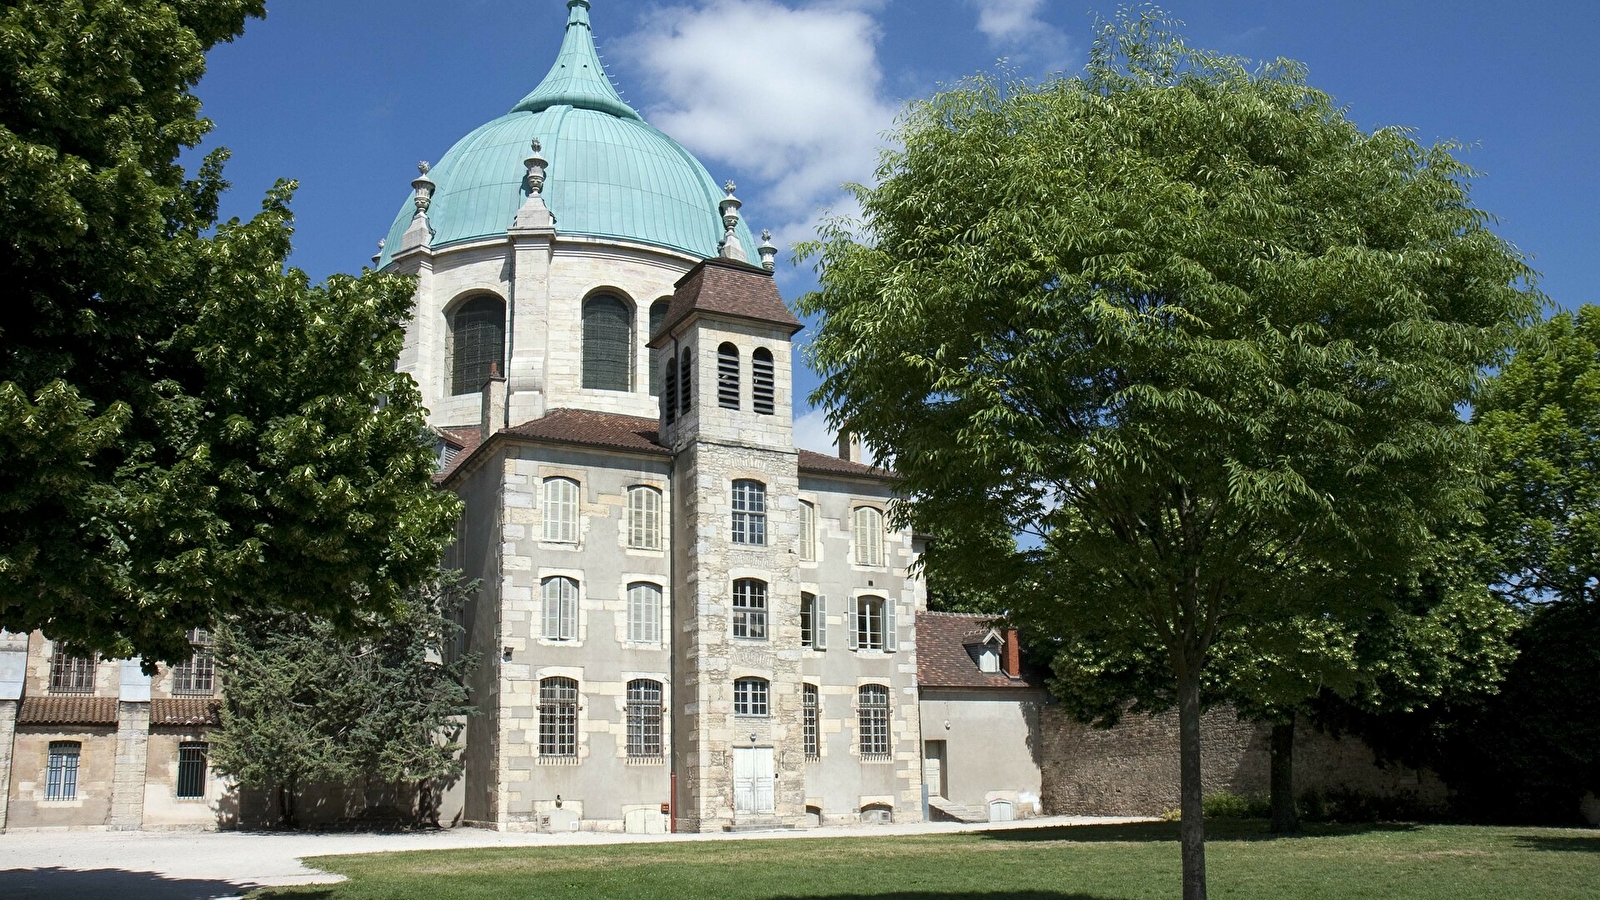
786, 93
1017, 27
811, 432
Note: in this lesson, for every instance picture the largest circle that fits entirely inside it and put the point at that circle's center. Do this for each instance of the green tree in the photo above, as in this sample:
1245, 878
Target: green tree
187, 427
1185, 323
304, 704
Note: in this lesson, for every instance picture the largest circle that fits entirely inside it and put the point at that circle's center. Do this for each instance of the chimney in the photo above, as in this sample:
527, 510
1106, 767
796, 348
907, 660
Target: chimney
494, 403
1011, 655
849, 446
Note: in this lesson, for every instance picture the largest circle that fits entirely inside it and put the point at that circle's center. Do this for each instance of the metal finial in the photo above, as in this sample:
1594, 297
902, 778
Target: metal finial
382, 243
424, 167
537, 146
730, 187
766, 234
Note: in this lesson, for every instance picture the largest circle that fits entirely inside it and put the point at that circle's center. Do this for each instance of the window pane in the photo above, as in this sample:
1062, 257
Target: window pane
607, 344
750, 609
873, 708
808, 612
61, 774
644, 719
558, 717
813, 743
750, 697
192, 771
477, 343
749, 513
644, 613
869, 623
71, 674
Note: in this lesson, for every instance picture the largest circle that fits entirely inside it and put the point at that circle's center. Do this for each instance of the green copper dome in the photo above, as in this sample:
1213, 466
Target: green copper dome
611, 174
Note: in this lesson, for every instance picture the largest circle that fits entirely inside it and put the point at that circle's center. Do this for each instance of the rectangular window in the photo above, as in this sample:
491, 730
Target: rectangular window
71, 674
873, 710
561, 510
644, 518
869, 623
192, 770
750, 513
868, 528
644, 613
644, 719
808, 618
560, 602
813, 740
558, 717
61, 773
750, 609
808, 532
198, 676
750, 697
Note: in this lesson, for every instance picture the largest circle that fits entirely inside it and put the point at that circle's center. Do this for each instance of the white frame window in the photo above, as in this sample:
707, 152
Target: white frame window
813, 621
644, 612
559, 599
561, 510
808, 532
644, 719
644, 517
810, 722
867, 529
750, 609
751, 697
558, 717
873, 624
749, 513
872, 714
61, 770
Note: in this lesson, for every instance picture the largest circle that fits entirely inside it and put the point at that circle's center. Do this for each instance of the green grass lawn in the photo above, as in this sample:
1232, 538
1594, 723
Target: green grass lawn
1123, 862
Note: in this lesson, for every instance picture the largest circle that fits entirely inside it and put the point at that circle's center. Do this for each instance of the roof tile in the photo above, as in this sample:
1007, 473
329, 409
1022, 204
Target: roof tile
943, 658
186, 711
727, 288
68, 711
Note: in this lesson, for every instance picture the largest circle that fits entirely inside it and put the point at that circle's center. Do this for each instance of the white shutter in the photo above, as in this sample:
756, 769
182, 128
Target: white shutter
551, 603
819, 623
891, 627
850, 622
569, 609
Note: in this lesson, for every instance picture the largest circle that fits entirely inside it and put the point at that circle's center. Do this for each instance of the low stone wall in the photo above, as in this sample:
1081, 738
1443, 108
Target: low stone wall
1132, 769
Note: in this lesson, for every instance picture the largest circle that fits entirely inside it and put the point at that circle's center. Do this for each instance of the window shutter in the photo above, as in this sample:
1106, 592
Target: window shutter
552, 610
891, 629
819, 623
850, 614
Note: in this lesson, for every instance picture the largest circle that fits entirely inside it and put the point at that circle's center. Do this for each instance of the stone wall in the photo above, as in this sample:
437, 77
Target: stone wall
127, 786
1132, 769
8, 725
91, 808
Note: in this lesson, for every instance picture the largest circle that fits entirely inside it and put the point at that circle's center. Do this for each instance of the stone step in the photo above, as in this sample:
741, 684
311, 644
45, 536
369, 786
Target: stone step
956, 812
745, 826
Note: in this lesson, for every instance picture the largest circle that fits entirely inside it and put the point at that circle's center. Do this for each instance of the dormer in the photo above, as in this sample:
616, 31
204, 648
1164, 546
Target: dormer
997, 653
724, 353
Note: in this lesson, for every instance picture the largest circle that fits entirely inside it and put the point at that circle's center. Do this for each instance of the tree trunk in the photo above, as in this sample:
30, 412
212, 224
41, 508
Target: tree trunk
286, 811
1193, 826
1285, 820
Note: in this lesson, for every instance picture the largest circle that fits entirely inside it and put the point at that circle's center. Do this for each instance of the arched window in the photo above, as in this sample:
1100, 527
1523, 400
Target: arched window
808, 532
477, 343
607, 343
658, 316
644, 719
728, 376
686, 381
558, 717
644, 613
644, 518
750, 697
868, 528
872, 710
559, 596
750, 609
561, 510
763, 390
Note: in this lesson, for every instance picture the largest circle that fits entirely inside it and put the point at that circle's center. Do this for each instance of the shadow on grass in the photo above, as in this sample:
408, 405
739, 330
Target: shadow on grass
68, 884
956, 895
1559, 844
1157, 832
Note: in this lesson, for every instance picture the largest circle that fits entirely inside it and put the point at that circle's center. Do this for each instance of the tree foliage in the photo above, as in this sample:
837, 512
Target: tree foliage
1186, 324
304, 704
187, 428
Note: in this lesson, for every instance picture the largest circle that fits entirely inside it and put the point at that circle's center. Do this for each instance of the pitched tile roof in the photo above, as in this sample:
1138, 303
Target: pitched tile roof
594, 429
68, 711
826, 464
727, 288
186, 711
465, 438
944, 660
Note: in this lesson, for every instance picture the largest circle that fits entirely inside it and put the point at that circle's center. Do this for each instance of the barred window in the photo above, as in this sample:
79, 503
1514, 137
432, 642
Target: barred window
658, 316
607, 343
644, 613
558, 717
61, 771
192, 770
686, 381
808, 532
71, 674
813, 740
561, 510
750, 609
477, 343
763, 389
669, 394
868, 528
560, 601
644, 518
750, 513
644, 719
750, 697
728, 376
197, 676
872, 705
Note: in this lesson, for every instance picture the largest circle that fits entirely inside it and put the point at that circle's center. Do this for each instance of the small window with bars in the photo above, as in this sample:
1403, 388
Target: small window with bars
644, 613
810, 721
750, 513
658, 316
872, 707
61, 771
644, 720
607, 344
559, 597
558, 718
763, 388
644, 518
561, 510
750, 609
198, 675
71, 674
192, 770
868, 528
728, 376
808, 532
750, 697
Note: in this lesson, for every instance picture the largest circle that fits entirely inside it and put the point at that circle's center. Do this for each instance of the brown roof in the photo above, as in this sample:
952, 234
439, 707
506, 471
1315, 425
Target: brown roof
595, 429
945, 642
726, 288
186, 711
465, 438
826, 464
68, 711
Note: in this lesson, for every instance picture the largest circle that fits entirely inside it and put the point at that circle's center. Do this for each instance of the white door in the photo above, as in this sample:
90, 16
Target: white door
753, 780
1002, 811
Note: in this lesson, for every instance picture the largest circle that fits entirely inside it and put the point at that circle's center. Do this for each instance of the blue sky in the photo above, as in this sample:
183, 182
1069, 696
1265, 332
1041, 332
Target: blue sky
789, 97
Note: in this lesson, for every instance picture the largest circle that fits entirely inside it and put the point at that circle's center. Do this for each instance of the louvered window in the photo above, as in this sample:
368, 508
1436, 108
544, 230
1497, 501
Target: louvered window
644, 719
868, 528
477, 343
750, 609
809, 724
561, 510
763, 390
607, 344
872, 708
669, 397
808, 532
686, 382
559, 597
728, 376
644, 613
658, 315
644, 518
558, 717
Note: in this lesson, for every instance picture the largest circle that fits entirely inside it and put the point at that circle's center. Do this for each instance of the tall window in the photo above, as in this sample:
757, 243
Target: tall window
560, 601
71, 674
192, 770
808, 620
644, 613
808, 532
561, 510
749, 513
763, 390
607, 343
686, 381
477, 343
869, 623
197, 676
644, 518
808, 725
61, 772
558, 717
669, 395
750, 609
750, 697
868, 528
872, 708
728, 376
658, 316
644, 719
